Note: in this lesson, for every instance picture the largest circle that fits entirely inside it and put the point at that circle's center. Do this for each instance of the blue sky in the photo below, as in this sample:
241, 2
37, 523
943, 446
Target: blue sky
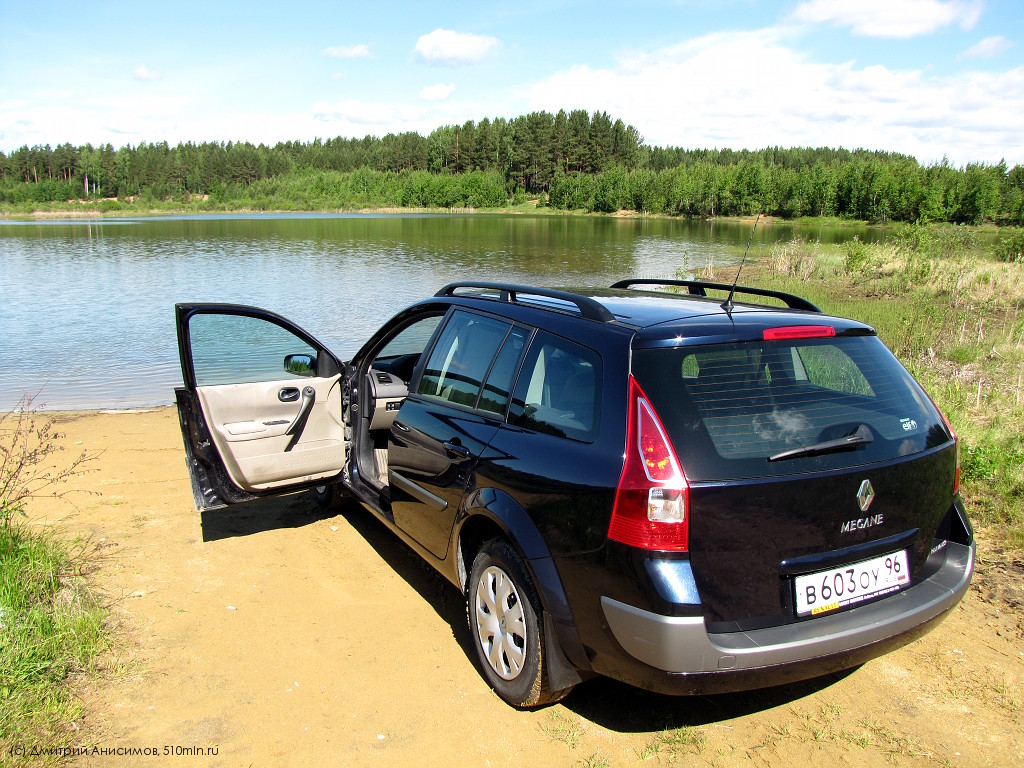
930, 78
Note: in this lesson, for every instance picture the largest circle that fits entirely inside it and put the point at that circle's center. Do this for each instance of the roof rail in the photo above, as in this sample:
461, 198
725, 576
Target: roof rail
699, 288
508, 293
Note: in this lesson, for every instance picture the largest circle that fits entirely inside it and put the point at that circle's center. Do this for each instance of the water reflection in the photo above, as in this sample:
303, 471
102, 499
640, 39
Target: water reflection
86, 306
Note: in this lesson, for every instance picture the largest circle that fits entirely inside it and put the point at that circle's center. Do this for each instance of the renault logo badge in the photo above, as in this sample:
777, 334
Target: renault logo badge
865, 495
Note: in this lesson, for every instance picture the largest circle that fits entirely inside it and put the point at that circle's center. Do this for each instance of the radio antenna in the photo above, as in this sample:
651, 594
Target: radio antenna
727, 306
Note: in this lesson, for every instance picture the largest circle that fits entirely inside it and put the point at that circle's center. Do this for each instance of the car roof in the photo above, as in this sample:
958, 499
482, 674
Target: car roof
668, 318
657, 317
642, 309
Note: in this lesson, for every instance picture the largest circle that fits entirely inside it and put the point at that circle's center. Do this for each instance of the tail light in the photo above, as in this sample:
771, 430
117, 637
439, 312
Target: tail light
956, 441
652, 501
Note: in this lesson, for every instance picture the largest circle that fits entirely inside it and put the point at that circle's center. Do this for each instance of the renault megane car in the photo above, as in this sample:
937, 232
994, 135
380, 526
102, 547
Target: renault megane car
687, 494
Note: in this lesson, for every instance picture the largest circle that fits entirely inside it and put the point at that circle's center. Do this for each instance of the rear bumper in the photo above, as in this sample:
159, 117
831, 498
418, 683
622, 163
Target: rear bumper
687, 659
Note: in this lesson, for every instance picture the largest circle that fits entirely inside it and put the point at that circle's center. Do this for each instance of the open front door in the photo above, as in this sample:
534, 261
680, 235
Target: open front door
260, 411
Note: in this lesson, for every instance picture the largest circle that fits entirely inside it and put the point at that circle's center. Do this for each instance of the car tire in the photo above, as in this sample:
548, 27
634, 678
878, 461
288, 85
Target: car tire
326, 496
506, 628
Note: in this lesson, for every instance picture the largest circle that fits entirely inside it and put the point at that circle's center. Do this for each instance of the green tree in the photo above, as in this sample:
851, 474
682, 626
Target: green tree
601, 142
1013, 196
441, 149
89, 169
611, 190
643, 191
577, 141
483, 152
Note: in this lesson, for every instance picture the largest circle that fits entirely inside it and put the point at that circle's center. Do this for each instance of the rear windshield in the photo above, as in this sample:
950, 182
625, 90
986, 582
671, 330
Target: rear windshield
732, 409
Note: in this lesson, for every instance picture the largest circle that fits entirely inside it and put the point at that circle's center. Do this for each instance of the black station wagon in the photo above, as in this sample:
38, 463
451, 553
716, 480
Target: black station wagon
641, 481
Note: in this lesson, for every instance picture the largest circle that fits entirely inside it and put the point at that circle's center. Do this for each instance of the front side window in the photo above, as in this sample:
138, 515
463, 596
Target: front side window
559, 389
461, 358
238, 349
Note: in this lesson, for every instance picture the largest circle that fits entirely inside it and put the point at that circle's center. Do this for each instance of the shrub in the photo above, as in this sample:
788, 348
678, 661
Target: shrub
856, 255
1011, 249
51, 622
28, 444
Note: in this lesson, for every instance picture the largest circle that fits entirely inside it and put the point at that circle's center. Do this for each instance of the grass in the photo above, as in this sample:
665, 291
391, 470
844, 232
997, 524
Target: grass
51, 621
596, 760
51, 632
824, 725
777, 732
951, 307
827, 725
959, 677
674, 743
891, 742
559, 727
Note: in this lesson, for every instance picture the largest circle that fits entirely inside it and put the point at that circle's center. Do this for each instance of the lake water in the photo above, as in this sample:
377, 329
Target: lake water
87, 306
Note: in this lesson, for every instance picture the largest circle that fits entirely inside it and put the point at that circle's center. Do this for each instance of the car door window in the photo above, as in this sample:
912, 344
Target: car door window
238, 349
495, 395
402, 351
559, 389
461, 358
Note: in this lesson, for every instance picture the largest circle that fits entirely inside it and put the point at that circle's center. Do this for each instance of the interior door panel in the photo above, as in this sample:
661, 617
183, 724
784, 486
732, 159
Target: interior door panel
248, 423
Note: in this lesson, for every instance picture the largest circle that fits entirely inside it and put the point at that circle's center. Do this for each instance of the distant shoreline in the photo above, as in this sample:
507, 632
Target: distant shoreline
94, 211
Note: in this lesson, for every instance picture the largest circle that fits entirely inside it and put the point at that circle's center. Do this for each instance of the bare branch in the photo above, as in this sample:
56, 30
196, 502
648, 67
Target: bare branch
29, 466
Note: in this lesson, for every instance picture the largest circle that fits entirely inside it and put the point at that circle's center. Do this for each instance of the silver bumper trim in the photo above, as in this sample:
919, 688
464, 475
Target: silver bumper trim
681, 643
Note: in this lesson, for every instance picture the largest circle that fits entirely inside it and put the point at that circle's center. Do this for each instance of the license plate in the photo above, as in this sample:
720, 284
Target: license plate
830, 590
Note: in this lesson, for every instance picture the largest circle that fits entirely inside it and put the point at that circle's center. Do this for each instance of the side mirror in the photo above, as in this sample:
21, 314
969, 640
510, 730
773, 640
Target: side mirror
300, 365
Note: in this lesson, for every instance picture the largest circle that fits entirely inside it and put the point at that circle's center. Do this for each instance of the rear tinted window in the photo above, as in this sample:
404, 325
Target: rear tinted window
728, 408
559, 389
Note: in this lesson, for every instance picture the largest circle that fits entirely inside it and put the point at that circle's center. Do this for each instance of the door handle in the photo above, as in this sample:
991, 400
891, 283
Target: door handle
288, 394
455, 450
308, 397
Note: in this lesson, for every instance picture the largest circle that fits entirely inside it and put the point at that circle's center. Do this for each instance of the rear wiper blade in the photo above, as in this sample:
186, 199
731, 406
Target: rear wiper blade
860, 436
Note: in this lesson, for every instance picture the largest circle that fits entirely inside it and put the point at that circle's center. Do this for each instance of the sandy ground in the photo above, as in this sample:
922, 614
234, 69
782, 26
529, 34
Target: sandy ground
282, 635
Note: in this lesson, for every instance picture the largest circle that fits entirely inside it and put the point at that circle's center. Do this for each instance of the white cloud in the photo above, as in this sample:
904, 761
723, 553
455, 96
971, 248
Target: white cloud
437, 92
670, 98
130, 118
446, 48
144, 73
357, 118
736, 89
988, 48
891, 18
355, 112
360, 51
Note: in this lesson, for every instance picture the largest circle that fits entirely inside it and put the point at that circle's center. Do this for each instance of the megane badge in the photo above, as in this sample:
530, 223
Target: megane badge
865, 495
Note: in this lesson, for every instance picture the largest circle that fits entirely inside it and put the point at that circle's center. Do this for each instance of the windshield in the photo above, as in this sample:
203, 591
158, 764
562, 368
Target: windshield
732, 410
